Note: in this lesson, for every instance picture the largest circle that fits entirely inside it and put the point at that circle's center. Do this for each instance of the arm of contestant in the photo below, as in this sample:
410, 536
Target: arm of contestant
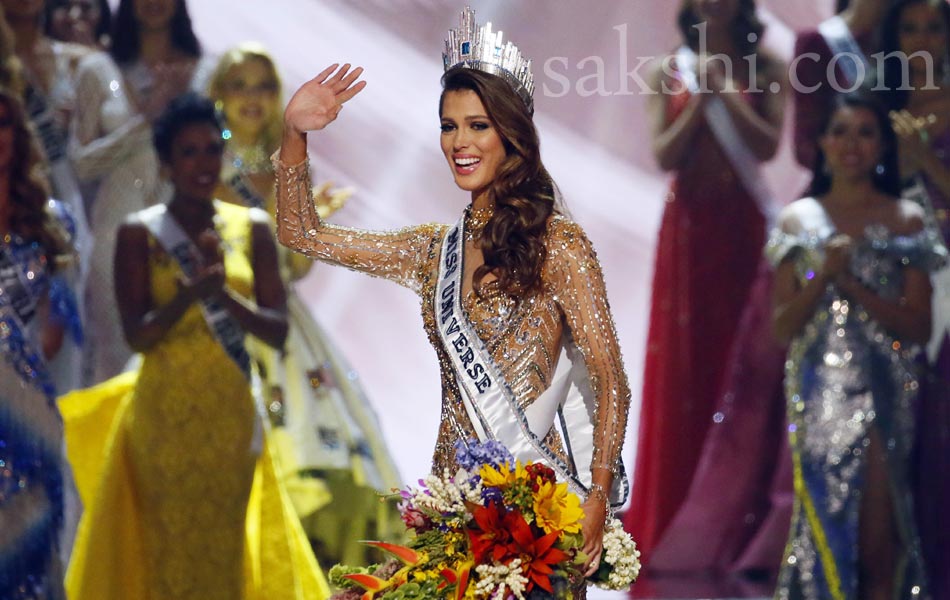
401, 256
579, 283
100, 88
266, 318
144, 324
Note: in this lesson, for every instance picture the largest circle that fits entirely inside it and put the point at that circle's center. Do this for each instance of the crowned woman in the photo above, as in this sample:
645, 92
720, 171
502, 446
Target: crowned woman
513, 296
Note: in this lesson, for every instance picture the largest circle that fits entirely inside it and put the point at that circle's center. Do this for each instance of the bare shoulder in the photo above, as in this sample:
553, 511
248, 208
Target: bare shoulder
661, 73
132, 232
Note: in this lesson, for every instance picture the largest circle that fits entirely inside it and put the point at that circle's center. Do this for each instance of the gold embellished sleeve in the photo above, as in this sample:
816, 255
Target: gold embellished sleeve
577, 280
400, 255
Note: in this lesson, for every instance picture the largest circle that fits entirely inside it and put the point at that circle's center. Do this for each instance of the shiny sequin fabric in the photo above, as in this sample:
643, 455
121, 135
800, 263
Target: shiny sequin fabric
31, 435
523, 335
848, 379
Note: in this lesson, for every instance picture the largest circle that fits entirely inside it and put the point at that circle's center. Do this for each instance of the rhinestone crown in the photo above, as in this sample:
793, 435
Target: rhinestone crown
483, 49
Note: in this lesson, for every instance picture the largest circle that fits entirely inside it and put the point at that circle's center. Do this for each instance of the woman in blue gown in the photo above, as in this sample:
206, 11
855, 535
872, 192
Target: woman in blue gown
36, 310
852, 296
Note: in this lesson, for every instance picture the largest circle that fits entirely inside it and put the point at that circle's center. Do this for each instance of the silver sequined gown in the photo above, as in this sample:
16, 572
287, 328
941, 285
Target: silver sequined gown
846, 376
524, 336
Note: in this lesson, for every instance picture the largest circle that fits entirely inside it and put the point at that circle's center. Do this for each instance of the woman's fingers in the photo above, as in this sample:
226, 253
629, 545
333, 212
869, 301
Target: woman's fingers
325, 73
348, 80
593, 561
334, 82
350, 92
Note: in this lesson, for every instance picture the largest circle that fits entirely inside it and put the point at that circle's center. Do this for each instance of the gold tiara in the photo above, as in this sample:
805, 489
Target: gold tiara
482, 49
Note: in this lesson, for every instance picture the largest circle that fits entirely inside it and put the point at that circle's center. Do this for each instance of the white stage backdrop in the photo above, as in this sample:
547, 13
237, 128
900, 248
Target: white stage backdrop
595, 142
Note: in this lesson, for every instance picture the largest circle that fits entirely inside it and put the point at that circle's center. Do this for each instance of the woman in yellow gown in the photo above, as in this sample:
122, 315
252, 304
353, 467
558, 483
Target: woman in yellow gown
326, 434
172, 462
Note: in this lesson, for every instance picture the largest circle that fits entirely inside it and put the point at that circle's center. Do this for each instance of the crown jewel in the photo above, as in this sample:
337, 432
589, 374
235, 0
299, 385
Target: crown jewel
483, 49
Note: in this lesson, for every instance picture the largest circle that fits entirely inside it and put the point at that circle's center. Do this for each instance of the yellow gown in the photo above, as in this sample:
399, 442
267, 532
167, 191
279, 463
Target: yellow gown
181, 492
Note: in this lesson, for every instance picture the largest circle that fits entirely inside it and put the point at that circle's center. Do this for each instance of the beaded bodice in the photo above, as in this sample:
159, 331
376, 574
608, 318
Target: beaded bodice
524, 336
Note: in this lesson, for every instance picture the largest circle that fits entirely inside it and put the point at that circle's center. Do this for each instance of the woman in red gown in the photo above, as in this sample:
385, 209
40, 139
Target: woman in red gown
709, 244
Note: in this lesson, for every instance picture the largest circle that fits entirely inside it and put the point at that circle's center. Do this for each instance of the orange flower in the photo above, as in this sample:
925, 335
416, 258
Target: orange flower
500, 535
538, 554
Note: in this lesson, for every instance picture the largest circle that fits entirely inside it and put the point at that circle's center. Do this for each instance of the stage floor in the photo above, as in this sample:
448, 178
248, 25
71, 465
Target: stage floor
689, 586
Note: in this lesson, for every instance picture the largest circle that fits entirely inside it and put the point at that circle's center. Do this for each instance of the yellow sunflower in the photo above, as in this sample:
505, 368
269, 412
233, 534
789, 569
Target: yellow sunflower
502, 476
557, 509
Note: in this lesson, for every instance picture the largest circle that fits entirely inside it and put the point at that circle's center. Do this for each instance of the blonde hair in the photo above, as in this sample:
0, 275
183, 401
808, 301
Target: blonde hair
239, 56
11, 69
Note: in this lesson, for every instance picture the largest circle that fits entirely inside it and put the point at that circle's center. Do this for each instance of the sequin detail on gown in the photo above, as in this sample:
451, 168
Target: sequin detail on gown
848, 379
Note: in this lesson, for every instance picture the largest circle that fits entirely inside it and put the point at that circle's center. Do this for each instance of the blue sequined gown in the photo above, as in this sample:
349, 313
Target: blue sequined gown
35, 484
846, 376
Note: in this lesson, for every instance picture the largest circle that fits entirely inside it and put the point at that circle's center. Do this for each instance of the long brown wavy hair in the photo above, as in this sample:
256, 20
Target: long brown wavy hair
522, 192
29, 191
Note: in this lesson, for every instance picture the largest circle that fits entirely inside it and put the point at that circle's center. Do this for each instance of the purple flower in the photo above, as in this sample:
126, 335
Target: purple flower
471, 454
492, 494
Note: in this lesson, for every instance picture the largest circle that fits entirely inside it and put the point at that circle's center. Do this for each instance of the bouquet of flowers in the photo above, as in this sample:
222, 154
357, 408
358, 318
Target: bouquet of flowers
494, 529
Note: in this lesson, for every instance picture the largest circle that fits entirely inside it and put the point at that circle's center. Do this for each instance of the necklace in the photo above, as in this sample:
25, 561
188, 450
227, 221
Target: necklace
475, 221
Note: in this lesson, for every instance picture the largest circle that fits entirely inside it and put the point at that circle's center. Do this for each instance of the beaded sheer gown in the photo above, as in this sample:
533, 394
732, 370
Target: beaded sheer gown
524, 336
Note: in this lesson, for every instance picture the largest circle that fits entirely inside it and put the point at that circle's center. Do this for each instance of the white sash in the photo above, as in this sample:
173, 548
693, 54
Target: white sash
493, 408
241, 186
841, 41
224, 328
14, 289
724, 129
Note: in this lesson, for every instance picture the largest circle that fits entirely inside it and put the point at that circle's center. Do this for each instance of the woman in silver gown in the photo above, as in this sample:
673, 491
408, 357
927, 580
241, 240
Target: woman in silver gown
852, 295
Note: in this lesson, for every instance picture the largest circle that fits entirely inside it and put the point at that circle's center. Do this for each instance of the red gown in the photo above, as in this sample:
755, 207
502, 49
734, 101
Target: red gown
709, 247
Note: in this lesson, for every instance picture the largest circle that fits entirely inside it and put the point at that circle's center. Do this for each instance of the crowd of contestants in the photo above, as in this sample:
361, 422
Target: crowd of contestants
791, 419
183, 487
809, 446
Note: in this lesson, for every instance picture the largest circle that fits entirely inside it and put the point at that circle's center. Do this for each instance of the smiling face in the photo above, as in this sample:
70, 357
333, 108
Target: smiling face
470, 141
922, 29
249, 94
194, 161
852, 144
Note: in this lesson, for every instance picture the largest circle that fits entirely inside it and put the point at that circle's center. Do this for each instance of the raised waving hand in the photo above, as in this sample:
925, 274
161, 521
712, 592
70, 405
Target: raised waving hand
318, 102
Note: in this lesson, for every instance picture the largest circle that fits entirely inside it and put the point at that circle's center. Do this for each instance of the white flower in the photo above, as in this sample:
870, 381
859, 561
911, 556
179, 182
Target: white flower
447, 495
498, 581
620, 552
